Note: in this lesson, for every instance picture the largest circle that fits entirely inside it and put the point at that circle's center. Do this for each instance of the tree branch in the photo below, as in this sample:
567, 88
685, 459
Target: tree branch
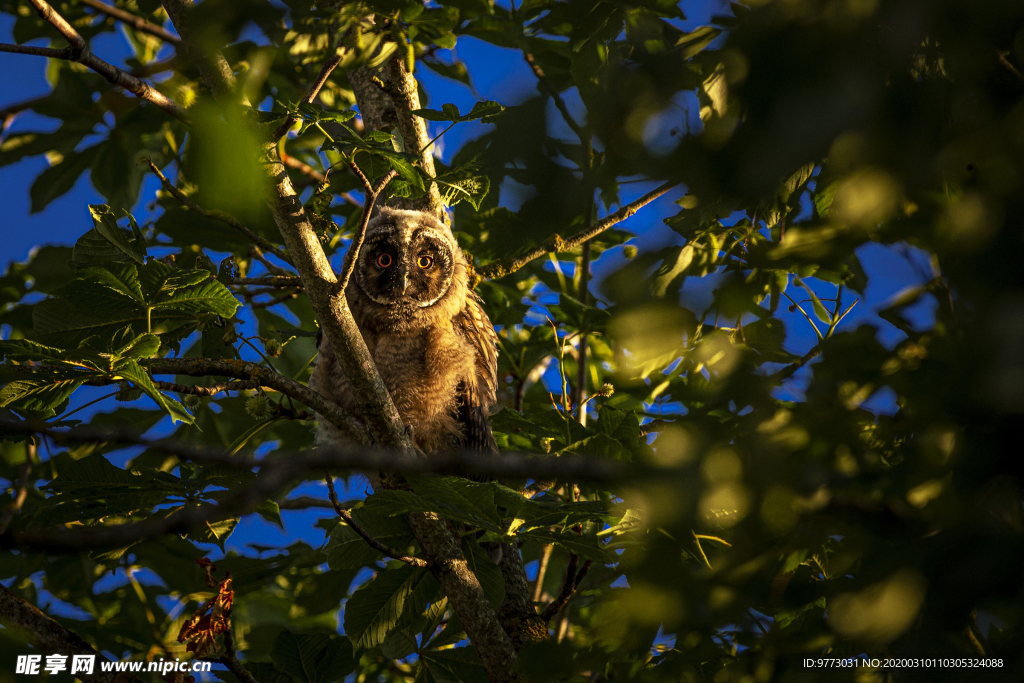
467, 464
503, 267
196, 390
280, 471
321, 78
239, 369
269, 281
51, 52
542, 79
78, 51
50, 637
374, 543
572, 583
214, 69
372, 193
138, 23
217, 215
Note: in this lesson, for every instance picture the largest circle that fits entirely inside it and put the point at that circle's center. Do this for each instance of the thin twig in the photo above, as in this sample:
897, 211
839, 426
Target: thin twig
374, 543
572, 583
555, 244
272, 268
279, 299
372, 193
553, 92
309, 502
217, 215
314, 90
138, 23
277, 281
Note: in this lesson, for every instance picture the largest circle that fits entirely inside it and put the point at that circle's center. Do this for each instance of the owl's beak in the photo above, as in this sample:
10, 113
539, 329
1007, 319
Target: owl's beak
405, 281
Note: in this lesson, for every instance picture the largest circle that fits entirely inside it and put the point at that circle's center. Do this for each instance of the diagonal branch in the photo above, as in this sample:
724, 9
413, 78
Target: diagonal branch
138, 23
78, 51
217, 215
372, 193
374, 543
321, 78
542, 79
555, 244
572, 583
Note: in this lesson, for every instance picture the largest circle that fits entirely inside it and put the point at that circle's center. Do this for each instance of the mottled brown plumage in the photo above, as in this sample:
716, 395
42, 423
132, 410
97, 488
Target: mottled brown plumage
432, 342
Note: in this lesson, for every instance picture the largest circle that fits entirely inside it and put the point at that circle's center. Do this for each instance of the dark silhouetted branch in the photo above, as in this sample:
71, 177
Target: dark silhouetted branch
362, 533
555, 244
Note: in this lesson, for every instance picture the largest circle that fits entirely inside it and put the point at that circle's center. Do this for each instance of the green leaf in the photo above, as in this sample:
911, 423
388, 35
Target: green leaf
132, 245
586, 546
312, 658
449, 112
131, 370
376, 607
38, 397
459, 499
58, 179
458, 665
398, 644
483, 110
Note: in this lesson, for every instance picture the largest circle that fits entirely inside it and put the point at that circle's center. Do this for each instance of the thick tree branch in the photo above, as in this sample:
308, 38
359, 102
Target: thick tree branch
213, 390
214, 69
216, 215
362, 533
555, 244
405, 94
375, 405
52, 638
138, 23
227, 367
78, 51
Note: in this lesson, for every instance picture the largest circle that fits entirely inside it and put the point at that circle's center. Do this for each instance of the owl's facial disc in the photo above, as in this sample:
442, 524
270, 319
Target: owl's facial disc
405, 270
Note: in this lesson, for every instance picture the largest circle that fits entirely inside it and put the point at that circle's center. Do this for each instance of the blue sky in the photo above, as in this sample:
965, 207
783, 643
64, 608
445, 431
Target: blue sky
499, 74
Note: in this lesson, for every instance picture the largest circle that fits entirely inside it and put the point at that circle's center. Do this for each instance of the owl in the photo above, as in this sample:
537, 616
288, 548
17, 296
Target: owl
433, 345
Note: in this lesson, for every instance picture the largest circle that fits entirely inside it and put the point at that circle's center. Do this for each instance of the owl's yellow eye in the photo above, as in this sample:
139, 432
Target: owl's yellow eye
384, 260
424, 262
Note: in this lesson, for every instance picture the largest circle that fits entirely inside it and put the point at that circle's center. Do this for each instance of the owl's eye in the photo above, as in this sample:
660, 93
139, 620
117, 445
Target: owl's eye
424, 262
384, 260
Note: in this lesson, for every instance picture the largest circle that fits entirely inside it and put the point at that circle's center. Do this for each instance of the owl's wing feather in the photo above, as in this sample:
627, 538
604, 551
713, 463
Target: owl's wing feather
477, 397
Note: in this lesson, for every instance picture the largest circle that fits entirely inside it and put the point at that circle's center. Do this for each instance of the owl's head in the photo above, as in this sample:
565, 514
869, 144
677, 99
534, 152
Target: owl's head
410, 272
